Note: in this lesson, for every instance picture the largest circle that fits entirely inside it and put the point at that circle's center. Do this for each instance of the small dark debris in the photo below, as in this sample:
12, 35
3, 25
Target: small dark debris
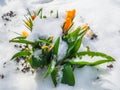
17, 60
17, 69
110, 66
22, 61
32, 71
16, 46
97, 77
2, 76
20, 46
7, 16
25, 69
4, 24
94, 36
22, 64
23, 57
26, 46
4, 64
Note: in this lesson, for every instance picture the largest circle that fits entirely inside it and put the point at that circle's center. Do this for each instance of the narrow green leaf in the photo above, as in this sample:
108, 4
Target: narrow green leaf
56, 46
54, 76
74, 47
73, 35
21, 41
22, 53
19, 37
43, 41
68, 76
40, 10
82, 32
83, 63
50, 69
92, 54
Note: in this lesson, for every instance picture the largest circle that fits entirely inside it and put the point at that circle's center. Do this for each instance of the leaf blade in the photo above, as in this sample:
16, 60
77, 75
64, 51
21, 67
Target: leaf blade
22, 53
68, 76
50, 69
21, 41
54, 76
56, 46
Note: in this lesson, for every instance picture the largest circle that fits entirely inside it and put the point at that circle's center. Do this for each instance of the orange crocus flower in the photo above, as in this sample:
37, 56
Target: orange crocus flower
33, 17
25, 34
71, 14
67, 24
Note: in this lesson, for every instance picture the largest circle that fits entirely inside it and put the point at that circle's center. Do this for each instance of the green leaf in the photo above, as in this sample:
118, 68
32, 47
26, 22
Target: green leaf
21, 41
54, 76
73, 34
74, 40
83, 63
43, 41
56, 46
92, 54
51, 12
70, 38
40, 12
72, 50
50, 69
68, 76
82, 32
34, 62
22, 53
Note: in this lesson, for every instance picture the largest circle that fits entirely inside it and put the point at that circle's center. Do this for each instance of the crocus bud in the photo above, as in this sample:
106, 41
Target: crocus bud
25, 34
33, 17
67, 24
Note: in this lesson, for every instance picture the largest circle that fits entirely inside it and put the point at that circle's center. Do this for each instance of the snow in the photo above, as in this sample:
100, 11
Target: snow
46, 28
103, 18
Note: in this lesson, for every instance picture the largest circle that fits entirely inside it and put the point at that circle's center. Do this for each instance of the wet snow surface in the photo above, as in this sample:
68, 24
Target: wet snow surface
103, 16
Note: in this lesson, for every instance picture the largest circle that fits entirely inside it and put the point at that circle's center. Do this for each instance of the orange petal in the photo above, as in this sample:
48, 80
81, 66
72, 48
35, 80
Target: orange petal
71, 14
33, 17
67, 24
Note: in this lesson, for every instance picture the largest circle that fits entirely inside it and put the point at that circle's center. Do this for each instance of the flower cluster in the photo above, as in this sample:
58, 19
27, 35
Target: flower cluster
48, 55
